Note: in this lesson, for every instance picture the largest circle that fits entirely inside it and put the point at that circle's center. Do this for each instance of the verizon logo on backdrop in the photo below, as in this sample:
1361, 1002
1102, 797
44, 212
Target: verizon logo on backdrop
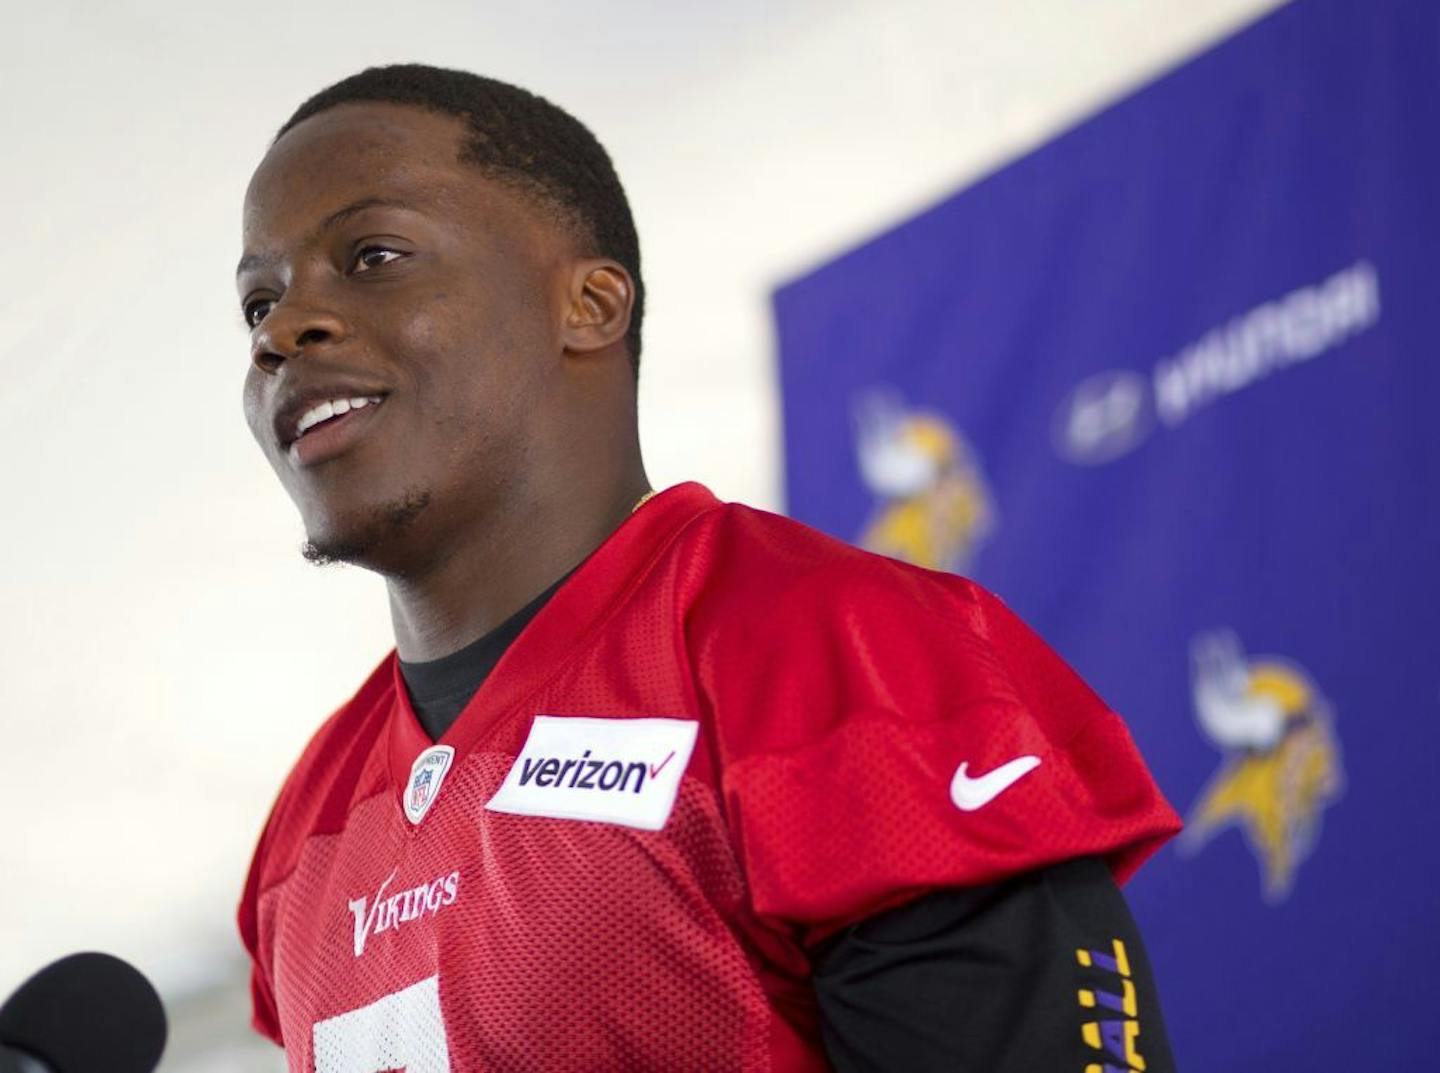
1110, 413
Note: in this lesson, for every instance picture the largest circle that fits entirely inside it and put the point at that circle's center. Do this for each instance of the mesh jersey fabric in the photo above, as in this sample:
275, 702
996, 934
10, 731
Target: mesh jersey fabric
835, 693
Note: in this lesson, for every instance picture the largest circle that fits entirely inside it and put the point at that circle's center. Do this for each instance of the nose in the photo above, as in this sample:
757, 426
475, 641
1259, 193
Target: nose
292, 325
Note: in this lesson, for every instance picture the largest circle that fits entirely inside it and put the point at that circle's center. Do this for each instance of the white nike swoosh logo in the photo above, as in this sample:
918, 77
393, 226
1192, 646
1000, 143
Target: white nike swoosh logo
970, 794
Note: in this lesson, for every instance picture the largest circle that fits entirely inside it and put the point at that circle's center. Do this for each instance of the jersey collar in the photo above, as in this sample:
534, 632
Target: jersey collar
560, 630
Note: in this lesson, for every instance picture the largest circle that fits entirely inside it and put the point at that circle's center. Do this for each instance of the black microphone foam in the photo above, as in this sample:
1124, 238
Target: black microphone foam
87, 1013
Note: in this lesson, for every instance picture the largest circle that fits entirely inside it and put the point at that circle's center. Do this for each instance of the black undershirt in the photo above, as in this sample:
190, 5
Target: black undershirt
982, 979
440, 688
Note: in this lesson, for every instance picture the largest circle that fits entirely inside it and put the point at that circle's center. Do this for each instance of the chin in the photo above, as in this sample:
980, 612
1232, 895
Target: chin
362, 541
331, 553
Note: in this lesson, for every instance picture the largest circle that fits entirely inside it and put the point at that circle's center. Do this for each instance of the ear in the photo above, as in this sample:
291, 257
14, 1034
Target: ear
598, 303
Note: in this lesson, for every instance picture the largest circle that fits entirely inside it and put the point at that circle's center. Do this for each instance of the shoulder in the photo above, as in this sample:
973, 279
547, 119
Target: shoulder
791, 633
324, 783
316, 797
752, 561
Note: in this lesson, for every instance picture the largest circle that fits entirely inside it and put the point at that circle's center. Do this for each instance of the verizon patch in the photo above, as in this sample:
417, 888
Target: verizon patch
624, 771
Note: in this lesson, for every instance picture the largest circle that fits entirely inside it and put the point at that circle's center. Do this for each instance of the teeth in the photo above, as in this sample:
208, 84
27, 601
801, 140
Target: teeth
323, 412
331, 408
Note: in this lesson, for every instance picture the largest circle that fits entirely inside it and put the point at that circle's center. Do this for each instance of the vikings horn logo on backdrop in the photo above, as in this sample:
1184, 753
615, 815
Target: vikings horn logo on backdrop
932, 506
1281, 764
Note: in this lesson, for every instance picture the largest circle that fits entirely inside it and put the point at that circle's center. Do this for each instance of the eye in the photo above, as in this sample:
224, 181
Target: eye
256, 311
368, 257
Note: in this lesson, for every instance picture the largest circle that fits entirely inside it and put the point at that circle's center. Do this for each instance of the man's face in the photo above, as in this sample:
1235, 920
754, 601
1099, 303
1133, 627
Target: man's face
382, 274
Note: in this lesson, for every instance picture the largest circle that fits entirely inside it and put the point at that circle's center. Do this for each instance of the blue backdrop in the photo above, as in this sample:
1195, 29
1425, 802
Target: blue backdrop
1169, 386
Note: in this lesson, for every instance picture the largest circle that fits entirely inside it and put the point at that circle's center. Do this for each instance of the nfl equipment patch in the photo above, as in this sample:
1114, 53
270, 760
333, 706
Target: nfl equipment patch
426, 775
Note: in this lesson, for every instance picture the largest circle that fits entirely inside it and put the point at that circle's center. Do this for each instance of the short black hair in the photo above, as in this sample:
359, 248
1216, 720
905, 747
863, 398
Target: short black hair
520, 139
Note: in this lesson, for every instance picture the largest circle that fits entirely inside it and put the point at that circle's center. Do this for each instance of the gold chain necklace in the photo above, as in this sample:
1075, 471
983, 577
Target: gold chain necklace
642, 501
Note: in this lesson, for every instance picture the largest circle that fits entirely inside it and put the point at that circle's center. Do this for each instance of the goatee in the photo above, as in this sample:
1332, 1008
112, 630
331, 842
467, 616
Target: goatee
356, 547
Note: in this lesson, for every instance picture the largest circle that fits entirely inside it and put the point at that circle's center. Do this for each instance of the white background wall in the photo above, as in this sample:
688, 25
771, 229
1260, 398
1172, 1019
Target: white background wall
166, 651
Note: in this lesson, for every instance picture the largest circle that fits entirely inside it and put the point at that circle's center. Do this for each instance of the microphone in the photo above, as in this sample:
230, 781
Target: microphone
86, 1013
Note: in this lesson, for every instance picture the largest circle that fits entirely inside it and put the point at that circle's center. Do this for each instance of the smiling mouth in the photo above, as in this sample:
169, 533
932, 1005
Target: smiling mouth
328, 428
331, 410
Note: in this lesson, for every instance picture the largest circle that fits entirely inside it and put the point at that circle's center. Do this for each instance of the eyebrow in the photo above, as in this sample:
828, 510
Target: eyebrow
339, 216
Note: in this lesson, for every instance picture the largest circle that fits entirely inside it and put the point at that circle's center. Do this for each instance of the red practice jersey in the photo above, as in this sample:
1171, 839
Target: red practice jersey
725, 737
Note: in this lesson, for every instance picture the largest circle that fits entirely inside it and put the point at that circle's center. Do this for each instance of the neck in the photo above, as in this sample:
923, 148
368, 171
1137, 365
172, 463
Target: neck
504, 560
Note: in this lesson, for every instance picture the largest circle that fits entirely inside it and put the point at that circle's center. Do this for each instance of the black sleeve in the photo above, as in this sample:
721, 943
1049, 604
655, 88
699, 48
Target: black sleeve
1044, 972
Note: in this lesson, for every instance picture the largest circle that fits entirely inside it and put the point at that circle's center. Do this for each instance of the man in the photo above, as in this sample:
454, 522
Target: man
651, 782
